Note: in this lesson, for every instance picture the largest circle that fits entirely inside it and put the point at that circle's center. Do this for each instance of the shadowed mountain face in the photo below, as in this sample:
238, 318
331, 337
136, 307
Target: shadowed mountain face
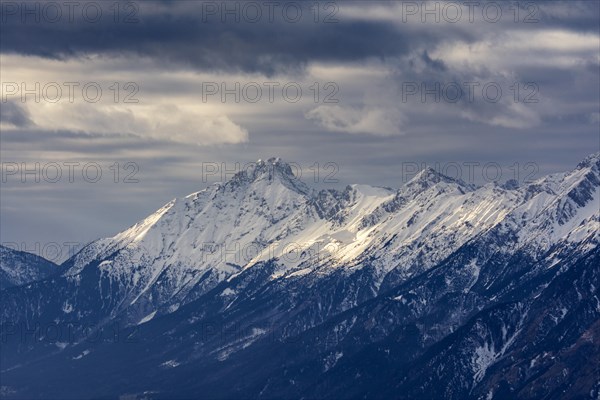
264, 288
20, 268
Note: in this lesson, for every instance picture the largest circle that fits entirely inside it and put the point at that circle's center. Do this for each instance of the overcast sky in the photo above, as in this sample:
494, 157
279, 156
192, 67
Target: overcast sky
161, 96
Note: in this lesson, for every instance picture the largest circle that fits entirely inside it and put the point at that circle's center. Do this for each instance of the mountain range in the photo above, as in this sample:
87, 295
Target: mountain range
265, 288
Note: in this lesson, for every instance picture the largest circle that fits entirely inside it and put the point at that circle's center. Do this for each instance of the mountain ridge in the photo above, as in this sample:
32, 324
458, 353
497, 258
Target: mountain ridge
332, 284
21, 268
362, 218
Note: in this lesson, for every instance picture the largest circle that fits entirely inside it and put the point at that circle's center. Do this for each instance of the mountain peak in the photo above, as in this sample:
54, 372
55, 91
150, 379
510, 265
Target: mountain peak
591, 161
273, 164
271, 170
428, 177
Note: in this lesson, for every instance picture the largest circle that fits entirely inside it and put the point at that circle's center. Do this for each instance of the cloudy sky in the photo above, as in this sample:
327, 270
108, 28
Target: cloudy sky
109, 110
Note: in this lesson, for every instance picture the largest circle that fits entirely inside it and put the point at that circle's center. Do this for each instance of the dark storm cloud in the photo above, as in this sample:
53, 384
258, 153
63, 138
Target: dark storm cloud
14, 114
193, 34
187, 35
187, 31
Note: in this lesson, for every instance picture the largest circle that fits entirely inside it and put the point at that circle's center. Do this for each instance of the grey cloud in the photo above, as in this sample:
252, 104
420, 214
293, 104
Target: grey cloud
182, 34
435, 64
14, 114
178, 35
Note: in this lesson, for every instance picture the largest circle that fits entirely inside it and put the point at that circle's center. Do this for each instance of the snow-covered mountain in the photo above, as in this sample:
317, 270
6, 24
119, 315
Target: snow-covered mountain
322, 281
191, 244
20, 268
